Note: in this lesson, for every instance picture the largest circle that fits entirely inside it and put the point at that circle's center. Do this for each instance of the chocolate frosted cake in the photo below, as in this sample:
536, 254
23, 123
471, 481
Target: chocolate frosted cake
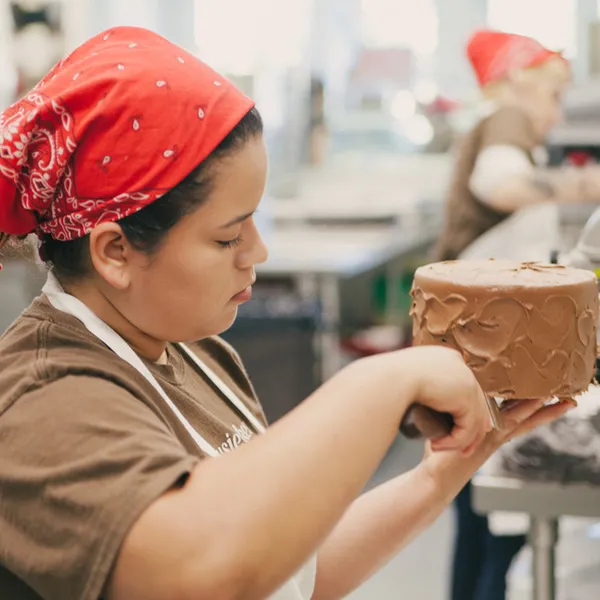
527, 330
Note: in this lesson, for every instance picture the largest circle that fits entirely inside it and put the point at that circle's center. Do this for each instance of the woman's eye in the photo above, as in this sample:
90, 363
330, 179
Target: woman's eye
231, 243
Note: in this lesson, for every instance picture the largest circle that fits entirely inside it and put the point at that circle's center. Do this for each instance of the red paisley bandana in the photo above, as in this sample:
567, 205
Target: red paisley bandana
495, 54
114, 126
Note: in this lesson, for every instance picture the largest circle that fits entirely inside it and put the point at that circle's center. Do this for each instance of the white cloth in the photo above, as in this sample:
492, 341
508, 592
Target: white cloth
494, 165
301, 586
529, 234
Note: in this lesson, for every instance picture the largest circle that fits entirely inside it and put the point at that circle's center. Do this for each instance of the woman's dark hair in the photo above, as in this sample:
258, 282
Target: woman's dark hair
146, 229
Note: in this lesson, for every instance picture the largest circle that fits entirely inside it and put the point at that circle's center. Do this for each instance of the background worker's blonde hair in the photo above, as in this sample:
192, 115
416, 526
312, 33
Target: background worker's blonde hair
555, 70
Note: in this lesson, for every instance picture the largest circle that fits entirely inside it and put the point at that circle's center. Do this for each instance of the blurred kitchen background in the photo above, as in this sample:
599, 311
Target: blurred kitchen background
362, 101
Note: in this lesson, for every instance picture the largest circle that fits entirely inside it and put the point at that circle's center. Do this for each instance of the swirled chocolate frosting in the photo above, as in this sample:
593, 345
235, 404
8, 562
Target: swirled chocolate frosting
527, 330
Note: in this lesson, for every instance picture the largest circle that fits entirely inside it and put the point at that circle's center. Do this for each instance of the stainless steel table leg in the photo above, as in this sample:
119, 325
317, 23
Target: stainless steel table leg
543, 538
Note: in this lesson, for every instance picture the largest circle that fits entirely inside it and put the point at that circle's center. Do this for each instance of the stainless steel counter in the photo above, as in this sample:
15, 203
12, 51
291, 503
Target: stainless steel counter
545, 503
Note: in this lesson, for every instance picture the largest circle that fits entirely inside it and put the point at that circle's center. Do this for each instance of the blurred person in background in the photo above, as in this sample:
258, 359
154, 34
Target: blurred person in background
136, 461
499, 167
499, 170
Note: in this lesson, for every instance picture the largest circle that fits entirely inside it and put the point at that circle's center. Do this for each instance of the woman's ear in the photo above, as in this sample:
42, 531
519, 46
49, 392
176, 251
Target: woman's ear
112, 255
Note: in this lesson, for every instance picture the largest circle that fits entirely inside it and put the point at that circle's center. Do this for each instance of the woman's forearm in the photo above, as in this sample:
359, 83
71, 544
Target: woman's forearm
297, 481
561, 185
380, 523
374, 529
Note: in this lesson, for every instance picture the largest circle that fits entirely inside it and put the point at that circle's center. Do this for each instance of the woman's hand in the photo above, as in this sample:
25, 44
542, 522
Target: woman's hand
522, 416
445, 384
516, 418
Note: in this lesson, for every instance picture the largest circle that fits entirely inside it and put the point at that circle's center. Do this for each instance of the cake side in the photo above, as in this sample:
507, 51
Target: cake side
527, 330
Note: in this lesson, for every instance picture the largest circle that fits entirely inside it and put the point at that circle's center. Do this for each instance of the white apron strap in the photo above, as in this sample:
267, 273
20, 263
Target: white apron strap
225, 390
71, 305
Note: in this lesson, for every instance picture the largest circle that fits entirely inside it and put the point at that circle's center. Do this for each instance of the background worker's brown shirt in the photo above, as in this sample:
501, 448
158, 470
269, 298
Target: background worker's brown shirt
465, 216
87, 444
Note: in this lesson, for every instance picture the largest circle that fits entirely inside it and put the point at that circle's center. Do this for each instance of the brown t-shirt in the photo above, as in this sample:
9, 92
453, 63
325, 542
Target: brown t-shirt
465, 216
87, 444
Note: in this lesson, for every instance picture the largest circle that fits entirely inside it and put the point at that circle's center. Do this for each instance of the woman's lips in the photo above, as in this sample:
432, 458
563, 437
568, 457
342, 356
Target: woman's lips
243, 296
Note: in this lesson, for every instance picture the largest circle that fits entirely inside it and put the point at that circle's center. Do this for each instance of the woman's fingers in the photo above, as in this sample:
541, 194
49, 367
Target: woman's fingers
470, 426
465, 439
514, 412
461, 437
518, 417
543, 416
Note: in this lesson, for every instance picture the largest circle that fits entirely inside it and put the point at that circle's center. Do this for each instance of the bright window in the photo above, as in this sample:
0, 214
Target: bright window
401, 23
551, 22
239, 36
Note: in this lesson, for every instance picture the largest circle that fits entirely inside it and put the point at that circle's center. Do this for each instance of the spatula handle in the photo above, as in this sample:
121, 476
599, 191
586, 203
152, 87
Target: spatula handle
422, 422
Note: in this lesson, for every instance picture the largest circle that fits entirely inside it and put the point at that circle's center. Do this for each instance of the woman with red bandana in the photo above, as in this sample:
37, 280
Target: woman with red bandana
495, 175
496, 172
136, 463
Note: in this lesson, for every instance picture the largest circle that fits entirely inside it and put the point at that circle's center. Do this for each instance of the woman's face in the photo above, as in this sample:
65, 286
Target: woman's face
546, 106
192, 287
541, 92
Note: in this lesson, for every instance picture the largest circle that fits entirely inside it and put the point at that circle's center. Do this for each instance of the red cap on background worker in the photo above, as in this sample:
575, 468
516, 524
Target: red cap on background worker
495, 55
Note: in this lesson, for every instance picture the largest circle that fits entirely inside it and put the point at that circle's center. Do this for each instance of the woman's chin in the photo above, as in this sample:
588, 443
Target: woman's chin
229, 323
224, 323
217, 326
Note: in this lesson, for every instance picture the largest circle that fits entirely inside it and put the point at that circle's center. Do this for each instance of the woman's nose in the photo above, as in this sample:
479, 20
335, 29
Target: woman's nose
261, 250
254, 251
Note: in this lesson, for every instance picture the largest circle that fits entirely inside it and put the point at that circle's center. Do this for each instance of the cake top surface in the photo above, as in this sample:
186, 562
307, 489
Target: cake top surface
502, 273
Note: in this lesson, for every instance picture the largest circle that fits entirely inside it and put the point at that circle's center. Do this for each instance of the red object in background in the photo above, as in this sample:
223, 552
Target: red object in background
579, 159
376, 65
377, 340
442, 105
